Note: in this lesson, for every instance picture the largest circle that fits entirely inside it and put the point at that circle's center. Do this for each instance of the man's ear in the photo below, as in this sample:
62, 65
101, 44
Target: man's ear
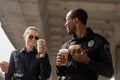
76, 20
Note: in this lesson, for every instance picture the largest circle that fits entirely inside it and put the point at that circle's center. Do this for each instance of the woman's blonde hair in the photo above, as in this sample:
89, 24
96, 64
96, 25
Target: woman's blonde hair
30, 28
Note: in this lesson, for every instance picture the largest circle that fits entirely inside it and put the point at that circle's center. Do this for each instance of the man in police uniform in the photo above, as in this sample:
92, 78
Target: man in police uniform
94, 58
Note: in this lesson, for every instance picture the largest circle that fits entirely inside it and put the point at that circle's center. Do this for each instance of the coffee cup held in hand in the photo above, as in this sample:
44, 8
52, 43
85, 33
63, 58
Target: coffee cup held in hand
74, 49
65, 53
40, 44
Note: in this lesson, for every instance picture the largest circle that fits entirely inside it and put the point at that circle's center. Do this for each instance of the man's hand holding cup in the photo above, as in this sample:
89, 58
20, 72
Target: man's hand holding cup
62, 57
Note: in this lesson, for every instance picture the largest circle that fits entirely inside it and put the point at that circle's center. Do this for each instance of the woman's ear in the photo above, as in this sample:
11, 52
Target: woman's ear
23, 36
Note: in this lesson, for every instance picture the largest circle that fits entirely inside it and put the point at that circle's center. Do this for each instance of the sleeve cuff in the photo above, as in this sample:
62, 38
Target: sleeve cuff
43, 59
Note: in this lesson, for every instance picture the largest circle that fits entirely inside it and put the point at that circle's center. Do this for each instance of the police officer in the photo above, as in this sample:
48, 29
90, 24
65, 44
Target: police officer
27, 64
94, 58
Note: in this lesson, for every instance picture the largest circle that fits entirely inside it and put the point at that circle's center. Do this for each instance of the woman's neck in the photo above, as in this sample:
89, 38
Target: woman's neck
29, 48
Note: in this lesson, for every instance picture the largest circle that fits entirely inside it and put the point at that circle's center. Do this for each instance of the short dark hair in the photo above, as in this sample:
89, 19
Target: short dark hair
80, 14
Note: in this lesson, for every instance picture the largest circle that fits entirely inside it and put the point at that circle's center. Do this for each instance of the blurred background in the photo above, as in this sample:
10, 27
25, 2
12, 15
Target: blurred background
49, 15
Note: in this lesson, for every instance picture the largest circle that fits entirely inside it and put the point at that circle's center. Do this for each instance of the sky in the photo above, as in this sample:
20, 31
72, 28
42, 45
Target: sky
5, 46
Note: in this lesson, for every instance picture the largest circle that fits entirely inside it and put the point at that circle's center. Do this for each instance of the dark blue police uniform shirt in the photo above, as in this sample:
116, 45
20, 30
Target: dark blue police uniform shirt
97, 49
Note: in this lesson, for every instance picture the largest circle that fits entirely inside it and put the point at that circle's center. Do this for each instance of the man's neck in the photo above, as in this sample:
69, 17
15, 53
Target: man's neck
81, 32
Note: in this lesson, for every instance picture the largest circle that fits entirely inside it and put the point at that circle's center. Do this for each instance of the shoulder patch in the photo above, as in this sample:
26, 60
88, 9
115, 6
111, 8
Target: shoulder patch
107, 49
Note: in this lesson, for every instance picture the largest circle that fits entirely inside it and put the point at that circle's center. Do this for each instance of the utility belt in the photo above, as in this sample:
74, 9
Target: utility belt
73, 78
62, 78
18, 76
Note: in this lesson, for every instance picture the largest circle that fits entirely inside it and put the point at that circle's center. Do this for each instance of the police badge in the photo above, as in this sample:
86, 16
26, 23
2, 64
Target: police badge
91, 43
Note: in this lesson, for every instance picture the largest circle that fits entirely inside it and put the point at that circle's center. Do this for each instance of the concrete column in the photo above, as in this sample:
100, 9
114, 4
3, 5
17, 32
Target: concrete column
117, 63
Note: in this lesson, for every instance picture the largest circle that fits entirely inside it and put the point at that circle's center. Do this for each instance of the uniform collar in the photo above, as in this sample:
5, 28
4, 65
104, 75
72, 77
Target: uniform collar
23, 50
88, 35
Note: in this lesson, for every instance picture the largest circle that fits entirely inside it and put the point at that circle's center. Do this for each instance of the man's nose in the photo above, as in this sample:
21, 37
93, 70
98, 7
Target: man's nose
66, 24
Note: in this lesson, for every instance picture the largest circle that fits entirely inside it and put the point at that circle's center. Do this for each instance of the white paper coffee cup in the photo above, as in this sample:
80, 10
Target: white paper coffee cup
40, 44
65, 53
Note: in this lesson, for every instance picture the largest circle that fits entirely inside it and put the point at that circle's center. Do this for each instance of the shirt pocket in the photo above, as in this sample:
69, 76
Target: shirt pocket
93, 53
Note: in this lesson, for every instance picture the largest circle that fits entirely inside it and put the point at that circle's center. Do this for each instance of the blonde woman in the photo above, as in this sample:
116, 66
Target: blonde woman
26, 64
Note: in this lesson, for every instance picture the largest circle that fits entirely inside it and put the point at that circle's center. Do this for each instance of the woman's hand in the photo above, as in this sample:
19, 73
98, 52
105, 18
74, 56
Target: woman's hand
4, 66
